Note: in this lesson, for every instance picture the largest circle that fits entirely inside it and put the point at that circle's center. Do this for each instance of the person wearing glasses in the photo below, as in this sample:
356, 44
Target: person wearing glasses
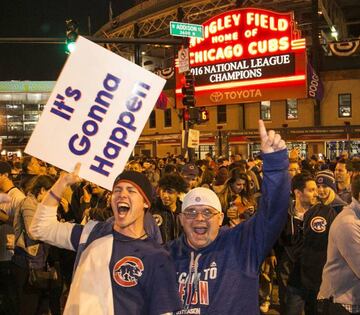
218, 270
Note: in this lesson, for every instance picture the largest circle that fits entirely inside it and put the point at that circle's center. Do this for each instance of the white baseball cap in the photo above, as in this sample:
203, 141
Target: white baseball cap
203, 197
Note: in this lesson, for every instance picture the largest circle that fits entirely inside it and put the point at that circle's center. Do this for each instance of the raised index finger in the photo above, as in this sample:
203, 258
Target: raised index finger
77, 169
262, 131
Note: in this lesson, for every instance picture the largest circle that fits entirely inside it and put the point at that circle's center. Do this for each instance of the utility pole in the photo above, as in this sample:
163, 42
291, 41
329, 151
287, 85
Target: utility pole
190, 112
137, 52
315, 54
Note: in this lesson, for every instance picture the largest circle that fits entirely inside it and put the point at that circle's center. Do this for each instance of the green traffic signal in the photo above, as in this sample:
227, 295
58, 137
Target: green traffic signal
70, 47
72, 32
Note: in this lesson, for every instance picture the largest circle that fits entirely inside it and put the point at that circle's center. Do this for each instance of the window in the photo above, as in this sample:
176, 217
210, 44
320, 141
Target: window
265, 110
167, 117
344, 105
221, 114
152, 120
291, 108
31, 107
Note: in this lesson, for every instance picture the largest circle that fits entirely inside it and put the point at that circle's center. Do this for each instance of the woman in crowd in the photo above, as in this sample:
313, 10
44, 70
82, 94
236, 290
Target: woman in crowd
237, 198
326, 185
31, 255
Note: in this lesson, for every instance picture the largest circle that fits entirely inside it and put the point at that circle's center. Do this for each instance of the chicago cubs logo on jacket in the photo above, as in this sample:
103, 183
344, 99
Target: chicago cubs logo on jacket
318, 224
127, 271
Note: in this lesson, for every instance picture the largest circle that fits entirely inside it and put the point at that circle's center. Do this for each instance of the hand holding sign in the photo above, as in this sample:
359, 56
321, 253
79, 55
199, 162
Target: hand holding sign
71, 178
270, 141
54, 195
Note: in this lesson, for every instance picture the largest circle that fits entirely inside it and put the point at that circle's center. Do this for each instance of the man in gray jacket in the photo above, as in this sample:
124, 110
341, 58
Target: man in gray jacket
8, 211
340, 288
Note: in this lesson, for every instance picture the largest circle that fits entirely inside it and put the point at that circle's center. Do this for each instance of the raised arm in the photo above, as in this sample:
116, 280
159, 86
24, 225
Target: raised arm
275, 188
45, 225
53, 197
265, 226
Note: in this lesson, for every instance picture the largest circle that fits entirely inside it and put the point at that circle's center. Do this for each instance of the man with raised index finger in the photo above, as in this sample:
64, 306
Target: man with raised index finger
217, 270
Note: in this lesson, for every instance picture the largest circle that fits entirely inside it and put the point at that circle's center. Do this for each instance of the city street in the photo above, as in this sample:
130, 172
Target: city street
200, 148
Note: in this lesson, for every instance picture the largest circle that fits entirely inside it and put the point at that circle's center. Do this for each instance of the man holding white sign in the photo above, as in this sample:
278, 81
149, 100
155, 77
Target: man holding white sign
119, 269
94, 116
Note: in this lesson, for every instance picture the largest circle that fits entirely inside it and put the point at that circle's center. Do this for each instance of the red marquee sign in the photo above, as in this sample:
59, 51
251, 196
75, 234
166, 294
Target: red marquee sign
247, 55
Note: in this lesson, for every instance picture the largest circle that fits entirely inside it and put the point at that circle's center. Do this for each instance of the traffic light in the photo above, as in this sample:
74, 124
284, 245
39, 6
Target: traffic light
72, 32
188, 90
191, 114
194, 114
203, 115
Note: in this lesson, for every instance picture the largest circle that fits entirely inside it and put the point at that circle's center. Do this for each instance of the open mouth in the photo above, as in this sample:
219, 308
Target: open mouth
123, 208
200, 230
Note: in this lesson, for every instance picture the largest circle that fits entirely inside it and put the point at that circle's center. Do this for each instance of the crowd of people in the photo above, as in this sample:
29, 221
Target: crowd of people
209, 236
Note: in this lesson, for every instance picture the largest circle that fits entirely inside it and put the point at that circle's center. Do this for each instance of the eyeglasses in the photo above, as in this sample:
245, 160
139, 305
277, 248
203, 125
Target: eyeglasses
193, 213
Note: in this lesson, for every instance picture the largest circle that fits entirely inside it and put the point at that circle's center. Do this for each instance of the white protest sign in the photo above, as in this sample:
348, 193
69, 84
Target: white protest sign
194, 138
95, 113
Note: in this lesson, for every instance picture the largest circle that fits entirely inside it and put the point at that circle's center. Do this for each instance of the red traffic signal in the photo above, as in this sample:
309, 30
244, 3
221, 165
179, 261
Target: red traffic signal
186, 114
188, 90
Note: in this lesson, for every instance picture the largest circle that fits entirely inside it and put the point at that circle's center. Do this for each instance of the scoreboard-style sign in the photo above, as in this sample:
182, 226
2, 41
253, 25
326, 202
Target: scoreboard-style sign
247, 55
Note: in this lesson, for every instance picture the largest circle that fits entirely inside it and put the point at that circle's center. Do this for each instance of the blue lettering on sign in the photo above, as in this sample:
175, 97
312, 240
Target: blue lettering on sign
79, 147
60, 108
90, 126
100, 168
80, 144
119, 135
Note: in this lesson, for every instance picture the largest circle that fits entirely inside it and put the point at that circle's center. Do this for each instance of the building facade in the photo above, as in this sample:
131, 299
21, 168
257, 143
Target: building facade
328, 126
232, 128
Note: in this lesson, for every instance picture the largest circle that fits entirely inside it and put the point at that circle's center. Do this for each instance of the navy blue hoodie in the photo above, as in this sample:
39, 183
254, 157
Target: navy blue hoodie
222, 278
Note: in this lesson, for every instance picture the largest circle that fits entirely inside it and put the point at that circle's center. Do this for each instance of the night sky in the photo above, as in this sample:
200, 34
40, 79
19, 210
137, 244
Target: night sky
45, 18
